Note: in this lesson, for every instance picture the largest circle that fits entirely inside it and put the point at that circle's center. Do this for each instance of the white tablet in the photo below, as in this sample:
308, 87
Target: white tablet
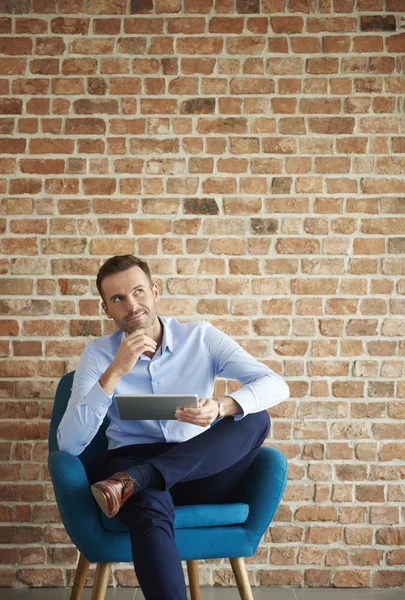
151, 407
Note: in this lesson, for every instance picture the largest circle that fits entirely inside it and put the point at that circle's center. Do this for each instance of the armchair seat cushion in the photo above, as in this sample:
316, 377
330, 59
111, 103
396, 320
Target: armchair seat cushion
198, 515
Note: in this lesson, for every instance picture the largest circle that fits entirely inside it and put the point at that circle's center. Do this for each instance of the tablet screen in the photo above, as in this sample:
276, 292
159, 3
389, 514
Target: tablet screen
146, 407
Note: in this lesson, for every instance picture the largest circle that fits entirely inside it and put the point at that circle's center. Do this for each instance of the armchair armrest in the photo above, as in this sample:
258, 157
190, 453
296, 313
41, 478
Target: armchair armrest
75, 501
262, 488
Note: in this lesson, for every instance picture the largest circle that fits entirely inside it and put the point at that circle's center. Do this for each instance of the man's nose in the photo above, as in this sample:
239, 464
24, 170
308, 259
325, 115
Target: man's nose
132, 303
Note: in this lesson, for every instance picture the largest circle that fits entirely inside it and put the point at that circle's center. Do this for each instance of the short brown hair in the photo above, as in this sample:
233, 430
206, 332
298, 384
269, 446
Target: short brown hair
116, 264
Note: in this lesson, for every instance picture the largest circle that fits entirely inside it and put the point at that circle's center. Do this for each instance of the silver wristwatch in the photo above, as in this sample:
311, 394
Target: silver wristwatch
222, 407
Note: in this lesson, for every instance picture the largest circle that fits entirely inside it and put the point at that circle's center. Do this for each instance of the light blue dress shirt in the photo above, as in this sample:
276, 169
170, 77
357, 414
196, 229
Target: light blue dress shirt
192, 355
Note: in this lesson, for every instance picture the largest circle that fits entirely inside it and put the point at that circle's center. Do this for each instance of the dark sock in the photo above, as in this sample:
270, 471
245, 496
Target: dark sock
146, 475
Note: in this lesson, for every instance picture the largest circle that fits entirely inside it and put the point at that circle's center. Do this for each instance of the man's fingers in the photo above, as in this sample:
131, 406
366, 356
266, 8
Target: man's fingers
140, 345
137, 344
191, 411
195, 416
144, 338
135, 333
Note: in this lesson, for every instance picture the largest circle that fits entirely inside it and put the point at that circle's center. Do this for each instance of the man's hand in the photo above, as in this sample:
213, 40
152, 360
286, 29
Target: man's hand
204, 415
131, 348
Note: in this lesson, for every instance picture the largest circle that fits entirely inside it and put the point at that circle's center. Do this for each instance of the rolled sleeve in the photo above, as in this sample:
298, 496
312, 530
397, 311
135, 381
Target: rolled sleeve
261, 395
262, 387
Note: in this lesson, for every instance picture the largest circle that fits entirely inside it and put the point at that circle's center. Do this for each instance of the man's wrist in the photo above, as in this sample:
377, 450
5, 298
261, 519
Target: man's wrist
231, 406
221, 407
109, 379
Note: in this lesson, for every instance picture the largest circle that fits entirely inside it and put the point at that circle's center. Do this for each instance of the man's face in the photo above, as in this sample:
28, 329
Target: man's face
130, 300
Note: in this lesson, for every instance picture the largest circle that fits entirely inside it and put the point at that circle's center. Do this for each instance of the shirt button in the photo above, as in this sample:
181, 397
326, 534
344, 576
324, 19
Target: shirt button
165, 430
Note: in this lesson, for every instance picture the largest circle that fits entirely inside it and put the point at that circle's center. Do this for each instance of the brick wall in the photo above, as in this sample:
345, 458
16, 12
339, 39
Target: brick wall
253, 152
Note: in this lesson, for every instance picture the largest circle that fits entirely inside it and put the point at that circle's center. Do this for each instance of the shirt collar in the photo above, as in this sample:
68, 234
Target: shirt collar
167, 338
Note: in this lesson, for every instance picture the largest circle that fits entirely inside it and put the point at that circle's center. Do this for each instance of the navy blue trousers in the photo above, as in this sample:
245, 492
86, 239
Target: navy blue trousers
203, 470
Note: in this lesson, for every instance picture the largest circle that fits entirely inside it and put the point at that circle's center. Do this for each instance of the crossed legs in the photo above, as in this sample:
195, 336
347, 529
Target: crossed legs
205, 469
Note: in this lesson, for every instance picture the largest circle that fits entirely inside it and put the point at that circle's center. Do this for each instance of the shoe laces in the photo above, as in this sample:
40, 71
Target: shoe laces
126, 481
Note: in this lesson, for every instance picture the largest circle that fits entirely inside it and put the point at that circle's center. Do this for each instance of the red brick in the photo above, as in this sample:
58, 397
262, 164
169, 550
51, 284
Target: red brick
320, 106
41, 577
9, 107
90, 125
6, 125
84, 327
285, 577
12, 66
352, 578
50, 46
21, 534
287, 24
9, 327
331, 24
33, 556
42, 166
305, 45
6, 24
22, 246
331, 125
396, 557
44, 327
30, 86
323, 535
27, 348
16, 46
389, 578
200, 45
99, 186
70, 26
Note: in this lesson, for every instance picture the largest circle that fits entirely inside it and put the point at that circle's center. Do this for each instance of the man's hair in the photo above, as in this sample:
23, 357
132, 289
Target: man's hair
116, 264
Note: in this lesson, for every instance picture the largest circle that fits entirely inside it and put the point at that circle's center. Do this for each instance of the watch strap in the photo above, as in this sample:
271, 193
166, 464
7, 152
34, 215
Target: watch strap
221, 405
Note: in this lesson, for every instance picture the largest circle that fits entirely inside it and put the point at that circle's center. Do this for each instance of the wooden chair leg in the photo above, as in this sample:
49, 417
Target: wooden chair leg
103, 571
242, 578
80, 578
194, 583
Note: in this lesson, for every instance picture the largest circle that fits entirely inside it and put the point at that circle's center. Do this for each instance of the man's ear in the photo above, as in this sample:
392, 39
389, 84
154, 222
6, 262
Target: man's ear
105, 309
156, 293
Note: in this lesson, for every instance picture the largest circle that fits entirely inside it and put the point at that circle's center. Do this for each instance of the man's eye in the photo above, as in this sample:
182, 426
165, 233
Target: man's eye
117, 299
137, 292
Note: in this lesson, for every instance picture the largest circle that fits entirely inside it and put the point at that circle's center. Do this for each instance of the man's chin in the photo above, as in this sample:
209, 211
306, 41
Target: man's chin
131, 326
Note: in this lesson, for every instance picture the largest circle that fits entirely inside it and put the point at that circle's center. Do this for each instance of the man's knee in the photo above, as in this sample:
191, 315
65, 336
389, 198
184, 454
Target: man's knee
147, 507
260, 421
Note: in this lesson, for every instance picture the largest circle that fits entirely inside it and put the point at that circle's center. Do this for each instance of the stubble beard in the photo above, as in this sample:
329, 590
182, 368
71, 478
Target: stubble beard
145, 323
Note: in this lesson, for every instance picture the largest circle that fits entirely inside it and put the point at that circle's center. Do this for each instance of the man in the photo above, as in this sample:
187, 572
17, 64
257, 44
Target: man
152, 466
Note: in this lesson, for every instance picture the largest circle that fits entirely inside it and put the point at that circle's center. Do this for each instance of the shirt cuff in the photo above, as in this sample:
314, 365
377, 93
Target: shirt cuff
245, 401
98, 400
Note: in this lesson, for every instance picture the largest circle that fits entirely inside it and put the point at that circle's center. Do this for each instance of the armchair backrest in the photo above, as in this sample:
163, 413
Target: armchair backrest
99, 443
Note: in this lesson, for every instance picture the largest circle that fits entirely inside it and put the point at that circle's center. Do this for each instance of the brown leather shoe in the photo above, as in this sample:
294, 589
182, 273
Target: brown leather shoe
113, 492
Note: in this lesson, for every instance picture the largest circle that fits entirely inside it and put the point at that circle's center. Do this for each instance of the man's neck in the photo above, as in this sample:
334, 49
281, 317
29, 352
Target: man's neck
156, 332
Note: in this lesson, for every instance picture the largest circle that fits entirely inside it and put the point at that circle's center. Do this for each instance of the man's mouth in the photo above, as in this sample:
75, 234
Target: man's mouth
135, 317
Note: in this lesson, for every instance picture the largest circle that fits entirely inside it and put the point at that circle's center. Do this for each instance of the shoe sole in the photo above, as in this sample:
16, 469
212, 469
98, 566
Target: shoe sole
102, 501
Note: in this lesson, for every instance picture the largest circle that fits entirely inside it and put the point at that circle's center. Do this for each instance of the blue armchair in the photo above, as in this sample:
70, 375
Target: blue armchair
203, 531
